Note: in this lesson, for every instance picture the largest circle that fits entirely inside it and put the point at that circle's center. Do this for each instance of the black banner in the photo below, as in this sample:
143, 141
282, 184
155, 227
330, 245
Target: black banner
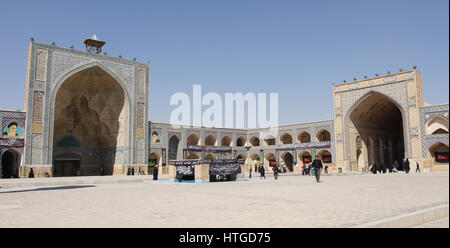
185, 171
304, 146
205, 161
209, 148
225, 168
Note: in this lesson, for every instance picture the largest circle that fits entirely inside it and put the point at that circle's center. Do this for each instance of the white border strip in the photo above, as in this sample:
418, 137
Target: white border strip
409, 220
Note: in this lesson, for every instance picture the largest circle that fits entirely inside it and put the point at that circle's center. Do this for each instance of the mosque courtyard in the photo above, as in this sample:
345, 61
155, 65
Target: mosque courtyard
290, 201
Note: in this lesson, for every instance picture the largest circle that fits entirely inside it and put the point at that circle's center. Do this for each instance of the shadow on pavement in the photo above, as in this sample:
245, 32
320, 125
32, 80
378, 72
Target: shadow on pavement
49, 188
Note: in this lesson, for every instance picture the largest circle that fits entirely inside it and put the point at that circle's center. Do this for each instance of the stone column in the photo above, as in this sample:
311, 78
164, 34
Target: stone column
390, 156
202, 172
172, 172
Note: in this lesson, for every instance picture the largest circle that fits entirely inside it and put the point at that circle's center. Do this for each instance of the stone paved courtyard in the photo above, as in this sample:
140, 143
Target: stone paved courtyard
291, 201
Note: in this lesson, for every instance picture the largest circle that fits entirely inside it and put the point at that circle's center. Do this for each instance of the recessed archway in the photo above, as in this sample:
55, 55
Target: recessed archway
325, 156
10, 162
193, 155
305, 157
241, 141
323, 135
304, 137
254, 141
269, 140
210, 156
193, 140
154, 159
174, 142
210, 140
92, 108
286, 139
288, 160
270, 159
226, 141
437, 125
379, 118
440, 153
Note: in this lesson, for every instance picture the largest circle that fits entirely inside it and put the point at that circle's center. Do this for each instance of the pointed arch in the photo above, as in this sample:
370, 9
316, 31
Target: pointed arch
99, 125
286, 138
304, 137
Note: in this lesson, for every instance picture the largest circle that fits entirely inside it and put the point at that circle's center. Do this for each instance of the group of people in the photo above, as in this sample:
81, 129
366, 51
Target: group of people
258, 168
316, 165
392, 168
308, 167
130, 172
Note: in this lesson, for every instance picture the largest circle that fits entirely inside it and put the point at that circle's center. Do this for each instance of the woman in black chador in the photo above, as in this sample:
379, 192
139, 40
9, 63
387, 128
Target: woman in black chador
407, 168
155, 172
31, 174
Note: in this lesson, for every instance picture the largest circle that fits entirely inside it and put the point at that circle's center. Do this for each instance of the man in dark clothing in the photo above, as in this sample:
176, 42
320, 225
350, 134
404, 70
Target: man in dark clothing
262, 171
417, 167
275, 171
155, 172
407, 168
317, 165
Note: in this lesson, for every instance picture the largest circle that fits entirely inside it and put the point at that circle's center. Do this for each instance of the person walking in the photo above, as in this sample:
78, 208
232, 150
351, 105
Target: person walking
317, 165
326, 169
250, 173
407, 168
155, 172
395, 169
262, 172
275, 171
417, 167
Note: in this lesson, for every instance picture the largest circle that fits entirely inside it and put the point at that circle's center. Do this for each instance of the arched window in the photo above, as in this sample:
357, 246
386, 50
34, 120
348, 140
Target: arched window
437, 125
226, 141
254, 141
304, 137
192, 140
286, 139
210, 140
240, 141
323, 135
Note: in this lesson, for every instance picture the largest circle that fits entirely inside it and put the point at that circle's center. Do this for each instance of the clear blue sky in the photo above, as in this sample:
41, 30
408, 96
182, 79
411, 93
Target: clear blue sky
295, 48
